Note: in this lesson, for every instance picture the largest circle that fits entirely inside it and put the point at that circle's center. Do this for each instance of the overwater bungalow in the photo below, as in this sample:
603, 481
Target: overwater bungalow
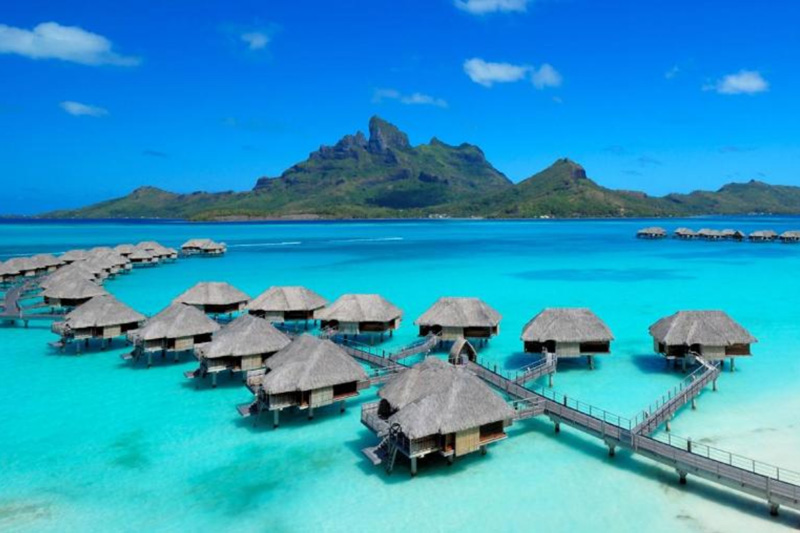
78, 269
176, 329
732, 234
102, 317
285, 304
125, 249
140, 258
357, 314
307, 374
711, 334
73, 255
567, 332
764, 235
46, 263
215, 298
71, 292
709, 234
435, 408
243, 345
455, 318
653, 232
122, 263
158, 250
106, 268
790, 236
23, 267
685, 233
203, 247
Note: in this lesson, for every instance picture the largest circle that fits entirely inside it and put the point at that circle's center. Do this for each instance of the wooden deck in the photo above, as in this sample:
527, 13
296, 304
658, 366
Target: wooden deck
777, 486
13, 310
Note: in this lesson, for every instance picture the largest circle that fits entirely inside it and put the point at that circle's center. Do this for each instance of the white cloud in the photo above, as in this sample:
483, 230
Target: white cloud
83, 110
545, 76
487, 74
673, 72
255, 40
409, 99
743, 82
481, 7
50, 40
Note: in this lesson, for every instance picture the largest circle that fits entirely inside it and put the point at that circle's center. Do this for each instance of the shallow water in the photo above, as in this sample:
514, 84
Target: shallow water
90, 442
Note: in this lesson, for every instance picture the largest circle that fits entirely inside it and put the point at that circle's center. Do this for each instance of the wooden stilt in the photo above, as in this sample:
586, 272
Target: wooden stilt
773, 509
612, 450
590, 359
413, 466
682, 477
214, 380
341, 406
276, 415
733, 365
310, 412
149, 359
483, 450
557, 427
694, 403
550, 380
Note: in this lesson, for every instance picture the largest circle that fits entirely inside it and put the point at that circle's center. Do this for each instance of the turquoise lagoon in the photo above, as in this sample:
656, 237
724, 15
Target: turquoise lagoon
91, 443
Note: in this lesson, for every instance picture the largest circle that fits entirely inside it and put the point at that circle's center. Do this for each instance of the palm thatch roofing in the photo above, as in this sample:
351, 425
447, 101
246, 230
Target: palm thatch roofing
140, 254
459, 313
102, 311
176, 321
685, 232
790, 235
73, 288
283, 299
114, 258
17, 265
731, 233
125, 249
74, 255
763, 234
707, 328
361, 308
74, 270
4, 271
247, 335
97, 250
652, 230
197, 243
566, 324
706, 232
310, 363
435, 397
212, 293
46, 260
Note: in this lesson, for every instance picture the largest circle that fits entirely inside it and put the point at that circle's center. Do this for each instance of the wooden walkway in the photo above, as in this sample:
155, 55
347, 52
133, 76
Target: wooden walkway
13, 310
775, 485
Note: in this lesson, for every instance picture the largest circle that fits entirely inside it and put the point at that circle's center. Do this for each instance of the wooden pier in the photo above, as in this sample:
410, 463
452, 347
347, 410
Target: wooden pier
12, 309
775, 485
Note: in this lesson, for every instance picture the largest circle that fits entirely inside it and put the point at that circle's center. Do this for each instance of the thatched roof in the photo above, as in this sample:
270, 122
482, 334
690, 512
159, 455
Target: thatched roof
140, 254
124, 249
177, 320
360, 308
731, 233
706, 232
685, 231
435, 397
73, 288
212, 293
17, 265
282, 299
459, 313
74, 270
709, 328
114, 258
764, 234
197, 243
310, 363
4, 271
793, 234
566, 324
247, 335
46, 260
98, 250
652, 230
74, 255
102, 311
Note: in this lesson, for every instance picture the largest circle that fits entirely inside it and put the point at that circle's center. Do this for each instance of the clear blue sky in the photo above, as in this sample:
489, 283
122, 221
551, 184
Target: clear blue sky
100, 97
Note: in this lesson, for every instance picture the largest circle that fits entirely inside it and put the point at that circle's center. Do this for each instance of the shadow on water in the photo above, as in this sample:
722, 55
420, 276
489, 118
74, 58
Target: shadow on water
650, 363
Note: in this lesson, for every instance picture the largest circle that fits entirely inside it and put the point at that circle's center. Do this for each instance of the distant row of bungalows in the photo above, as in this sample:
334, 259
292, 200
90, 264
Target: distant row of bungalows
104, 261
655, 232
431, 407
